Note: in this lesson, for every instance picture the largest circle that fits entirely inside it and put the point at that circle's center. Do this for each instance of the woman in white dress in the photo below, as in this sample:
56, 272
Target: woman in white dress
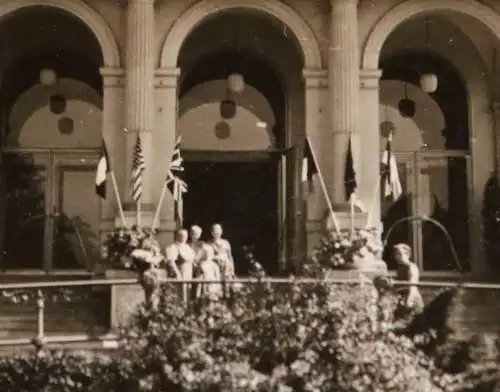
210, 272
180, 257
223, 256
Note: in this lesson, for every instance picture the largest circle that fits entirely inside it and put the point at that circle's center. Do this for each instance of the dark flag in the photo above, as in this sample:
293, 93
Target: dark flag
103, 168
350, 183
309, 168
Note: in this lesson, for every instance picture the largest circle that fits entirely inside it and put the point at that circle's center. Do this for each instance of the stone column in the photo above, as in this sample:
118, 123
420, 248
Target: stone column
139, 95
113, 81
316, 123
164, 137
344, 88
369, 132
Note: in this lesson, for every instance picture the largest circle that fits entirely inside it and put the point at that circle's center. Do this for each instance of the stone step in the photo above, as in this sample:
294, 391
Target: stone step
84, 316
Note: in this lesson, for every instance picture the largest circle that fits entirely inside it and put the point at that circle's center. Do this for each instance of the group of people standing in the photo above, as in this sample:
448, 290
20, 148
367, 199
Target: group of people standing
189, 257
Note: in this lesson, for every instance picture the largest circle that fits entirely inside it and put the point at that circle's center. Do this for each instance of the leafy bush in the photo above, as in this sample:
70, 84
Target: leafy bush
269, 338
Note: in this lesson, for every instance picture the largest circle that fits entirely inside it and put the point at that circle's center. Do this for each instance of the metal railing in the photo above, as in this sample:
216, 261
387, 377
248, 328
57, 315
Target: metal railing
110, 340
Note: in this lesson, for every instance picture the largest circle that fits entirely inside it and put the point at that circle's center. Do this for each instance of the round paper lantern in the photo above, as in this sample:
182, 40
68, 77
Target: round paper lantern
48, 76
429, 82
227, 109
236, 83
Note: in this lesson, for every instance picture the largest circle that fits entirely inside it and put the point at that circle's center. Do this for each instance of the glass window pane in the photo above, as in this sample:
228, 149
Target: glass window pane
396, 212
443, 197
23, 215
76, 229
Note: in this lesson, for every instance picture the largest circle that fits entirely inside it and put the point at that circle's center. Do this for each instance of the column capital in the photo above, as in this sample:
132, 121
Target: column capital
112, 77
315, 78
339, 2
167, 77
370, 78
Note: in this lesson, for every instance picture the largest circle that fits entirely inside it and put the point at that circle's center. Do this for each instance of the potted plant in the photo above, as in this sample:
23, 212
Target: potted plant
134, 248
357, 249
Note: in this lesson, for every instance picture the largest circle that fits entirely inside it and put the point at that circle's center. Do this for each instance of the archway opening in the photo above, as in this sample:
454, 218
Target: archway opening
431, 132
235, 142
50, 127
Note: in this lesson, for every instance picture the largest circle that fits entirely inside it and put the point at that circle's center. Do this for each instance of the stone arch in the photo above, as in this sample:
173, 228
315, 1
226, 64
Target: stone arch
196, 14
409, 9
99, 27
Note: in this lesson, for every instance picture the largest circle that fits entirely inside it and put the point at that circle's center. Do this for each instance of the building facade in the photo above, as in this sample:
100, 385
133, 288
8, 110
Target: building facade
316, 74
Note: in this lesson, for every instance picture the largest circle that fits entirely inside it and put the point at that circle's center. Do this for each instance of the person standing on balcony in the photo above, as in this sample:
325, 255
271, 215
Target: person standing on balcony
210, 272
197, 245
180, 256
223, 256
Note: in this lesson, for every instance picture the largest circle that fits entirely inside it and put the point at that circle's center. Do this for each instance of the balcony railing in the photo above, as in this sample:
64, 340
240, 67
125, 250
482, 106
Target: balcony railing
40, 340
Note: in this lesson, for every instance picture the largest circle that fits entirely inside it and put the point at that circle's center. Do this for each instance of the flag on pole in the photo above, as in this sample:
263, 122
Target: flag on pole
103, 168
391, 185
350, 183
175, 183
138, 167
309, 168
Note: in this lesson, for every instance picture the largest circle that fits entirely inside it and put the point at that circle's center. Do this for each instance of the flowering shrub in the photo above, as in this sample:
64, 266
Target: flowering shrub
131, 248
279, 337
342, 250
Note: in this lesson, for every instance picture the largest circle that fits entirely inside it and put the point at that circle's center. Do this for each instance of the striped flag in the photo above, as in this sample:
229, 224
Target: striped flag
391, 185
175, 183
309, 168
350, 183
103, 168
138, 167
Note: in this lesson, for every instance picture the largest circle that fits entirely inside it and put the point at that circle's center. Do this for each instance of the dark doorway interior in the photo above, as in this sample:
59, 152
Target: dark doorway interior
243, 197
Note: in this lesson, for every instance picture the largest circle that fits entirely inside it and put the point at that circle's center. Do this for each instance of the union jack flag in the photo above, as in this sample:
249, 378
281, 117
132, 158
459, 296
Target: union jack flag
175, 182
138, 167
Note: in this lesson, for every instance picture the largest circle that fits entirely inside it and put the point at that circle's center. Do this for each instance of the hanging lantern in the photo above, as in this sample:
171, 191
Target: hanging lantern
429, 82
227, 109
48, 77
407, 107
235, 83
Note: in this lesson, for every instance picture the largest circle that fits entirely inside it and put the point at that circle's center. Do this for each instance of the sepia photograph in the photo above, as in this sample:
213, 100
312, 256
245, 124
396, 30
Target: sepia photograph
250, 195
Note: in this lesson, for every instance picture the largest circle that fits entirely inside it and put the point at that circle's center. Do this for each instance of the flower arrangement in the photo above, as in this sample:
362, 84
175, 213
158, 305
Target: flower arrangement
345, 249
132, 248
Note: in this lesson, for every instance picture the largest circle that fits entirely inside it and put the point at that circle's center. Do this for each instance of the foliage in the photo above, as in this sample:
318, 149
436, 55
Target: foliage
119, 247
280, 337
342, 250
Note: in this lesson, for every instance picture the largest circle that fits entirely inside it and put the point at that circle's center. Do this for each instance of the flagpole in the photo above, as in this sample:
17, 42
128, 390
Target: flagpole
351, 204
180, 209
138, 219
158, 207
376, 194
323, 187
118, 199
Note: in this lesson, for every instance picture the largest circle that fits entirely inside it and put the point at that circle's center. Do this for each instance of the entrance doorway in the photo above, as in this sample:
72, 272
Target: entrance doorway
50, 215
243, 198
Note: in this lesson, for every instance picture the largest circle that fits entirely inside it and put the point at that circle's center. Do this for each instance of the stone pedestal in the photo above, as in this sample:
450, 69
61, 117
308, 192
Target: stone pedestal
125, 299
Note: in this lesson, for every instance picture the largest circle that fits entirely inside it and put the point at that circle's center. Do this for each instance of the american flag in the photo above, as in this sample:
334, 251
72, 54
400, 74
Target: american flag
175, 182
138, 167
